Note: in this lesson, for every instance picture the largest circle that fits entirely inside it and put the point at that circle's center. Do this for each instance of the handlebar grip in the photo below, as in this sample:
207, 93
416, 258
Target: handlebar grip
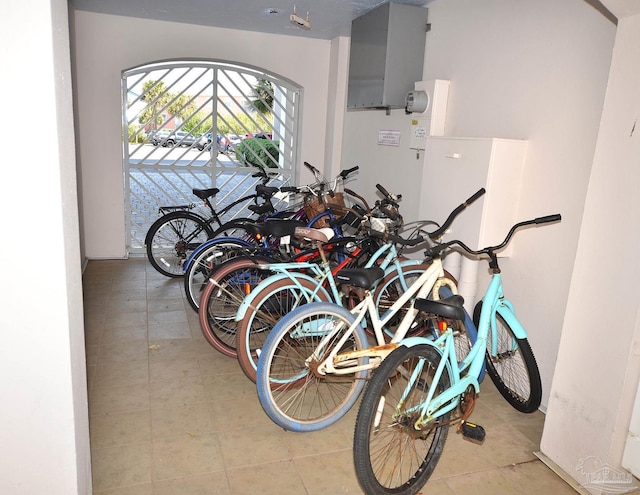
258, 174
345, 173
437, 233
549, 218
480, 192
289, 189
384, 192
311, 167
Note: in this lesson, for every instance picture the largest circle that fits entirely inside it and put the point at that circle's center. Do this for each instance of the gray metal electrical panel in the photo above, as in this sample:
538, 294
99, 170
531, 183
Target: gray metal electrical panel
387, 55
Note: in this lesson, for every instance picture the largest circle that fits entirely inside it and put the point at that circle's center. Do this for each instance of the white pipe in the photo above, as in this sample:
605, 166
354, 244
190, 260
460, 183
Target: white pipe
468, 283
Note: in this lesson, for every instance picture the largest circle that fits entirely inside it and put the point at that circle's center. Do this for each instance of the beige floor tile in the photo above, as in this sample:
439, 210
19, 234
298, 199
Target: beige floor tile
336, 476
490, 482
249, 446
208, 484
182, 419
124, 335
117, 467
178, 390
534, 478
168, 331
144, 489
172, 368
124, 398
172, 415
111, 430
275, 478
115, 374
186, 455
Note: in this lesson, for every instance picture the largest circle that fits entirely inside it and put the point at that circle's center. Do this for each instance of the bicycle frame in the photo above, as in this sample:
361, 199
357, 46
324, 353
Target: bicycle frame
321, 274
334, 363
464, 374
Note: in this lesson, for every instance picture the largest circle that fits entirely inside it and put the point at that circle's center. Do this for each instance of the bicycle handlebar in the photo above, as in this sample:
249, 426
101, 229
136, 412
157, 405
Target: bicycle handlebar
447, 223
345, 173
436, 250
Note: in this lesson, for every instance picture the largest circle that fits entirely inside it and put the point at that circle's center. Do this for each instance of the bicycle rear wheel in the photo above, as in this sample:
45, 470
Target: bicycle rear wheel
291, 390
228, 285
236, 229
513, 368
269, 306
390, 455
171, 239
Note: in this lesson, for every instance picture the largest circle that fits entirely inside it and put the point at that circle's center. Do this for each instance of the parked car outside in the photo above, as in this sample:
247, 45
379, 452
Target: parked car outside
159, 137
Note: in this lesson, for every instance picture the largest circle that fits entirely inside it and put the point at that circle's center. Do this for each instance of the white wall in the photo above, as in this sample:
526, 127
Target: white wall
105, 45
599, 357
524, 70
44, 436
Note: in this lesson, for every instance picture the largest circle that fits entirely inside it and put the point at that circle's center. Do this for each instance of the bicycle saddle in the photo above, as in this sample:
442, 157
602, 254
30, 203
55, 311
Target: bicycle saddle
364, 278
449, 307
310, 234
266, 192
265, 207
275, 227
206, 193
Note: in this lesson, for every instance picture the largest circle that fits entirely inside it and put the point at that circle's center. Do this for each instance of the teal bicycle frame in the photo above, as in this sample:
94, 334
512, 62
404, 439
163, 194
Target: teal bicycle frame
433, 406
322, 273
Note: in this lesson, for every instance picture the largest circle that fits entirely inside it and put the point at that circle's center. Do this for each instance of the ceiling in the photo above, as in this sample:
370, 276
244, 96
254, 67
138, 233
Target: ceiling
328, 18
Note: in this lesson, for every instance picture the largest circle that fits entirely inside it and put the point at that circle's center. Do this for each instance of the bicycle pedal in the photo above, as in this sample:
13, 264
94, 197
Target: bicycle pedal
472, 431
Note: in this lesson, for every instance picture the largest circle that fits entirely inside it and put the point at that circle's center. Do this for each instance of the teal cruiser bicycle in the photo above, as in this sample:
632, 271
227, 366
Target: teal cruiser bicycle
420, 388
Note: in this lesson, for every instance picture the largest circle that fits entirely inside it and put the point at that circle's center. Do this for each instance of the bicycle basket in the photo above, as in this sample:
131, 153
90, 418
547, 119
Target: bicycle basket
381, 223
314, 205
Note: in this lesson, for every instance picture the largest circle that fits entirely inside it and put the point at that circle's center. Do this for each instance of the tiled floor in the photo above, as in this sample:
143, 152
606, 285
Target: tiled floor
170, 415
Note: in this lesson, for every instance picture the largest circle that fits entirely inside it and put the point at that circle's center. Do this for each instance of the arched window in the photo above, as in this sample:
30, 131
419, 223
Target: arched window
195, 123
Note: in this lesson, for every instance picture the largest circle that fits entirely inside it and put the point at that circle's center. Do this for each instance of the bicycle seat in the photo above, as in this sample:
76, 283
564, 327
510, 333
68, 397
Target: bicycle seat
206, 193
265, 207
321, 235
449, 307
364, 278
266, 192
274, 227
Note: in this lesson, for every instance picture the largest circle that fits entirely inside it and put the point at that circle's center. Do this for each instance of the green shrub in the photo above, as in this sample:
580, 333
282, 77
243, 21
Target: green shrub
257, 152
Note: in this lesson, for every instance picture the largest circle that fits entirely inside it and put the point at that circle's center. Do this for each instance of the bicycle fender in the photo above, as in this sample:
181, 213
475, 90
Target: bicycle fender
506, 311
247, 302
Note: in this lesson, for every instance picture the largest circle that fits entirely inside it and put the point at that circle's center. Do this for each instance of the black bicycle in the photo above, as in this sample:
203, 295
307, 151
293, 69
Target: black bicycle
173, 236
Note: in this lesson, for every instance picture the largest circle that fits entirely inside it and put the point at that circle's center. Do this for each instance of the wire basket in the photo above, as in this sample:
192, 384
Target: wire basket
314, 205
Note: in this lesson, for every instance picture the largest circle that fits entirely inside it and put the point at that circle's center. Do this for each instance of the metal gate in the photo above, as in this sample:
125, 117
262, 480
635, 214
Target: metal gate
189, 124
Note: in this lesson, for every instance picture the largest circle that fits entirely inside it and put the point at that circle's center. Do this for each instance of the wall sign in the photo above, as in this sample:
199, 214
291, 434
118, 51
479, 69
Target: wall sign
389, 138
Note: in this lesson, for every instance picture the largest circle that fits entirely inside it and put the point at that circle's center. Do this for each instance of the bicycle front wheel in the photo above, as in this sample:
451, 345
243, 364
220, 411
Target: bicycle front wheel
390, 455
293, 391
196, 275
171, 239
513, 368
269, 306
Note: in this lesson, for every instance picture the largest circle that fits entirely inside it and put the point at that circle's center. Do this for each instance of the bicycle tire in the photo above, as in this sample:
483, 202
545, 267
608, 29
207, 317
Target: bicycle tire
219, 303
390, 455
271, 304
236, 229
172, 237
198, 270
391, 287
294, 396
513, 369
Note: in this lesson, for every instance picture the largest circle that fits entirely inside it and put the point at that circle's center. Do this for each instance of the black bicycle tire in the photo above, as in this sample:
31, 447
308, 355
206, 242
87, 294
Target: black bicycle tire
398, 437
227, 230
181, 252
498, 375
228, 248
